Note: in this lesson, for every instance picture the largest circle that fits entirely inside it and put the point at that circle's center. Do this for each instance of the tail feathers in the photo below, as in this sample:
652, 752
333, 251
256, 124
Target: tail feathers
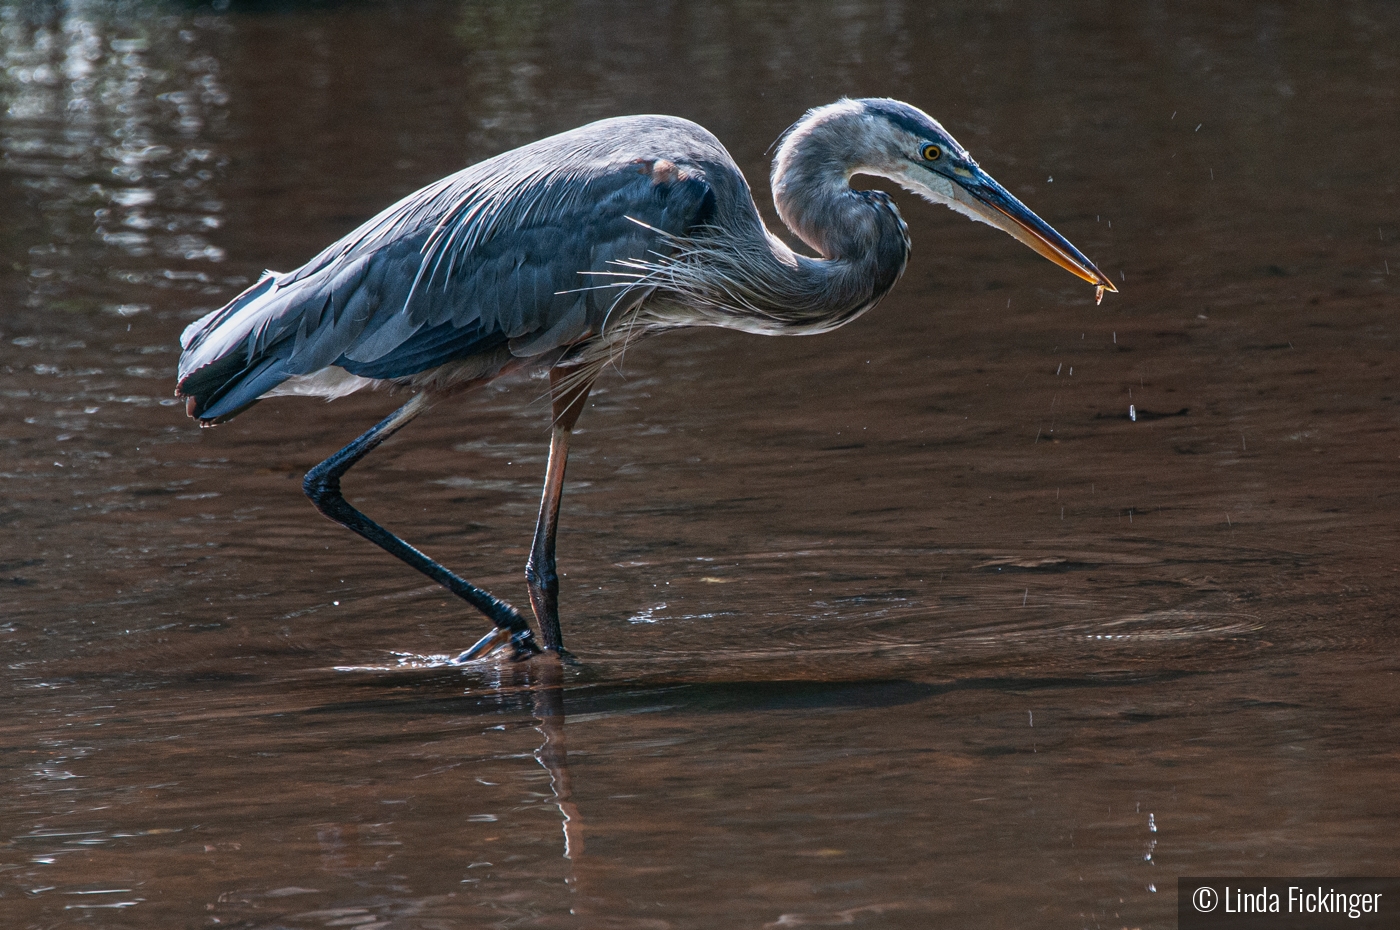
226, 363
226, 387
198, 332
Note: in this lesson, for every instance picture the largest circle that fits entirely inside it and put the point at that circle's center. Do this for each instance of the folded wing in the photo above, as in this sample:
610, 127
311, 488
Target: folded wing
501, 257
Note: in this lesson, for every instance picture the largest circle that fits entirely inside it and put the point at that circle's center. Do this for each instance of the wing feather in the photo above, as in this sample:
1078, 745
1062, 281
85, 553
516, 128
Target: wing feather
499, 253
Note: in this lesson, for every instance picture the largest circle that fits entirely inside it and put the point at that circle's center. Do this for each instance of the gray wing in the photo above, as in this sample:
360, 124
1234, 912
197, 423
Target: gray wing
499, 254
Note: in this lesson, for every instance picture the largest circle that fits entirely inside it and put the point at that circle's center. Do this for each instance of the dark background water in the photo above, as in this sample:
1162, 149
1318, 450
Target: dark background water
901, 626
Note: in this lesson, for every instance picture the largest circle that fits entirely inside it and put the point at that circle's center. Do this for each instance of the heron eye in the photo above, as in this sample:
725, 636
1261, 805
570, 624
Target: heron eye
932, 153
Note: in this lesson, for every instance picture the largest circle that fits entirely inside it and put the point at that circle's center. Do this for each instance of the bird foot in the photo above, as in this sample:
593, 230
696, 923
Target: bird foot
522, 646
567, 658
484, 647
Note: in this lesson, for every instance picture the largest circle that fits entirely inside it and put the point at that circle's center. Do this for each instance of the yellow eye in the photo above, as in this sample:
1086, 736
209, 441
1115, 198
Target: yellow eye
932, 153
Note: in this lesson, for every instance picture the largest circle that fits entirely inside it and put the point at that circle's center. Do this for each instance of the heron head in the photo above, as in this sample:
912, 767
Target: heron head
891, 139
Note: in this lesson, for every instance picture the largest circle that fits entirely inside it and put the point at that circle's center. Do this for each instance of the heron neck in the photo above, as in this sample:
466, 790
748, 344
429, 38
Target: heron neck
860, 237
738, 275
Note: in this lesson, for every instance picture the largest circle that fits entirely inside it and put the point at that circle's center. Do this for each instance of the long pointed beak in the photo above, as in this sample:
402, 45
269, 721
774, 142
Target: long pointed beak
979, 192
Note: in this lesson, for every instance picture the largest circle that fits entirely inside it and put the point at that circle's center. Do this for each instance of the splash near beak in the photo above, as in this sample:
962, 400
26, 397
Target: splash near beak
991, 203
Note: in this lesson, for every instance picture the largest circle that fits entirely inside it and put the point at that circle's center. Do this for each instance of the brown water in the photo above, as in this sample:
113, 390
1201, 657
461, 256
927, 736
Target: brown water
905, 626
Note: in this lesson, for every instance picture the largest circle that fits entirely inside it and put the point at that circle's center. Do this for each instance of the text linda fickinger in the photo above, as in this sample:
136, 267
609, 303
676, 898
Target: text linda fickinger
1298, 900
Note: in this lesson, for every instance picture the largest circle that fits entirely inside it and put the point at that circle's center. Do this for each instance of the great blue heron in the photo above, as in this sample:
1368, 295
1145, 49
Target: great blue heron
559, 254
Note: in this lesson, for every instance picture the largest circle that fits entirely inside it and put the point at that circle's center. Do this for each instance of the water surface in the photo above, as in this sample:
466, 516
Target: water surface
907, 625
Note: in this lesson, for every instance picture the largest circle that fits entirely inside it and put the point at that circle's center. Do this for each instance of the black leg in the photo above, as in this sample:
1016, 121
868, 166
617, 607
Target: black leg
540, 573
322, 485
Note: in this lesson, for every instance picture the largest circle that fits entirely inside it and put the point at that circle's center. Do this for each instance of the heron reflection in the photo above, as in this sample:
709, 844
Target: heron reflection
547, 707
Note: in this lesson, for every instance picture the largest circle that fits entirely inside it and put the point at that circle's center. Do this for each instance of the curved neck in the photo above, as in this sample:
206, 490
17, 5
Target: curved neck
860, 236
740, 276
